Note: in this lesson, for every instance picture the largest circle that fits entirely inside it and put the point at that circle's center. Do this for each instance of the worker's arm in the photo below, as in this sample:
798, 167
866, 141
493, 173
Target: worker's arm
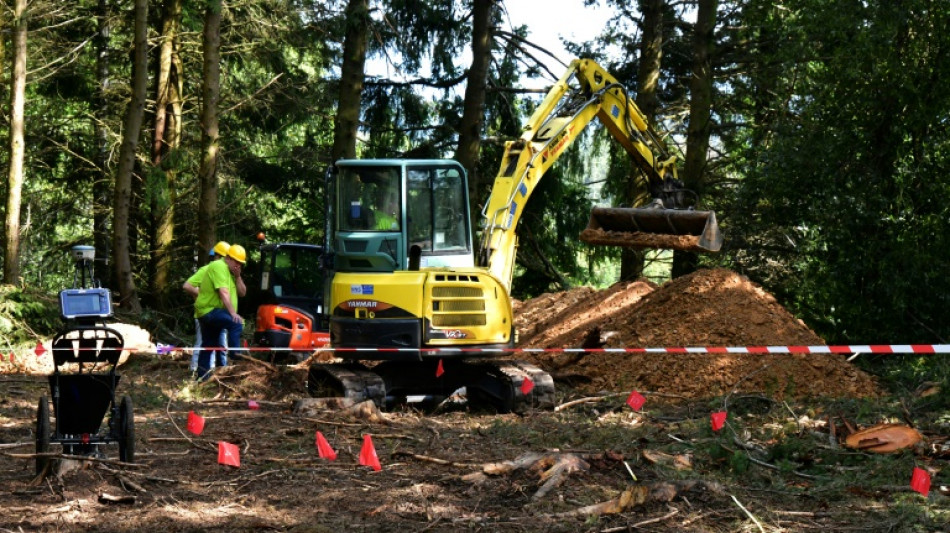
241, 287
193, 284
190, 289
225, 295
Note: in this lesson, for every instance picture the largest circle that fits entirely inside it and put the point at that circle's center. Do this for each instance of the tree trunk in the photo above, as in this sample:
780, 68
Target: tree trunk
210, 93
651, 56
648, 79
470, 129
11, 257
101, 185
351, 79
132, 129
700, 114
165, 142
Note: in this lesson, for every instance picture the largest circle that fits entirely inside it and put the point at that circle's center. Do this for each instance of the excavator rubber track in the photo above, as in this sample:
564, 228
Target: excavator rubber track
503, 384
352, 380
499, 383
649, 227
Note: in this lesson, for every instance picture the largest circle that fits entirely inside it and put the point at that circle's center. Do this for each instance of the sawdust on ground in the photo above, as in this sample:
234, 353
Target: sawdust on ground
712, 307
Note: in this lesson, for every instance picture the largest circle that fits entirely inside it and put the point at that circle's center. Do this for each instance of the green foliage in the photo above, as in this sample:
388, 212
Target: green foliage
845, 164
25, 315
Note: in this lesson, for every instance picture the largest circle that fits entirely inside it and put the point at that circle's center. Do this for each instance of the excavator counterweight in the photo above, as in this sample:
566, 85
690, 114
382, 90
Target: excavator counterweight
648, 227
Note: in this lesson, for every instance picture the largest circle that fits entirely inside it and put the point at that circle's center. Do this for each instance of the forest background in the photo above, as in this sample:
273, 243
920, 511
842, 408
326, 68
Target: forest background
817, 130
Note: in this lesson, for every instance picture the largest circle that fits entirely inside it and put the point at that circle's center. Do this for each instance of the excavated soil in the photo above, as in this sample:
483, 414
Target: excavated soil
715, 307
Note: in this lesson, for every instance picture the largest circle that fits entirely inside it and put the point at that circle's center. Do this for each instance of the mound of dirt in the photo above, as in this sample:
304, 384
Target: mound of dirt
715, 307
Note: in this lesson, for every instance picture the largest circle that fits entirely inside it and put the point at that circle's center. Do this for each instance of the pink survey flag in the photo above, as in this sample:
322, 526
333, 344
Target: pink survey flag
229, 454
324, 449
717, 420
368, 455
920, 481
196, 423
636, 400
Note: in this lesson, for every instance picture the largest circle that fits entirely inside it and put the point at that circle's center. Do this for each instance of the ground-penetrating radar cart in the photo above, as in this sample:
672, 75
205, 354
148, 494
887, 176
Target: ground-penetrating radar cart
84, 379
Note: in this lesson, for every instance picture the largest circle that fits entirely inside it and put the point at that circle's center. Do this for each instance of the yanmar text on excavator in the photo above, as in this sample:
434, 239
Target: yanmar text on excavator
408, 284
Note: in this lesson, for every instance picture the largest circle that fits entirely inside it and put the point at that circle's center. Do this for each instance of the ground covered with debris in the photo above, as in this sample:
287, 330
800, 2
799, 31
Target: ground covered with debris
592, 464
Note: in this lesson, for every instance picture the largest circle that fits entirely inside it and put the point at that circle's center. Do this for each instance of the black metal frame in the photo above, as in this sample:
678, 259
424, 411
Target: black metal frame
82, 399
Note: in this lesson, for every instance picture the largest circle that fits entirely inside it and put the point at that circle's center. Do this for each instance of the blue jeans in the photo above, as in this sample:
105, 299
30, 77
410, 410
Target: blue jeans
211, 325
222, 356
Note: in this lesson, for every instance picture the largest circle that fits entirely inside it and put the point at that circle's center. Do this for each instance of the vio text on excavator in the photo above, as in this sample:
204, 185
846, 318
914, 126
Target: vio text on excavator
416, 312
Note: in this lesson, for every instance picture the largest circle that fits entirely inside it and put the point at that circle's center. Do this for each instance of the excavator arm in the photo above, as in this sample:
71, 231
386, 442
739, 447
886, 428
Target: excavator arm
585, 92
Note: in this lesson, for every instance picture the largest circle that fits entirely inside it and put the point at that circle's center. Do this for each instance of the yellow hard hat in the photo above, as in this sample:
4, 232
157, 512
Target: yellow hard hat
220, 249
236, 252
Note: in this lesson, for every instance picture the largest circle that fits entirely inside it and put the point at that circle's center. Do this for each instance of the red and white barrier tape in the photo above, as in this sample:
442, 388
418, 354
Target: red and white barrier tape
838, 349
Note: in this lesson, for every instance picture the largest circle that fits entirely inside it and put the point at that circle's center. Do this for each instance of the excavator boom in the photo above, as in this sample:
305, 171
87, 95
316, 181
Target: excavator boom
586, 92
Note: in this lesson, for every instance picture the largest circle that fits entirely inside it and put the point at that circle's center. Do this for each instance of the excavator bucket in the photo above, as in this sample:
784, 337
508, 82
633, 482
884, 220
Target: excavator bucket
650, 227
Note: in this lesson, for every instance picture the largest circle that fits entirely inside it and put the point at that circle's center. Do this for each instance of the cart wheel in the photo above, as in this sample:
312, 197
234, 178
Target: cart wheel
42, 434
126, 431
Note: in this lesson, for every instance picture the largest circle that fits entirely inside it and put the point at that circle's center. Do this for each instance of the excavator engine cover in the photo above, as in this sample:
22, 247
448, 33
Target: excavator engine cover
650, 227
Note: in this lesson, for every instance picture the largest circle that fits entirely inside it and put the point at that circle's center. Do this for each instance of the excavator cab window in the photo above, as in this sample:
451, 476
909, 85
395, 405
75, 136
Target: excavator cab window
369, 199
437, 218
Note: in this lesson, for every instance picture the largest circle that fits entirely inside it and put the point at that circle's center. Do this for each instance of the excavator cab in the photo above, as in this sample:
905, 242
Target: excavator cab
290, 319
393, 215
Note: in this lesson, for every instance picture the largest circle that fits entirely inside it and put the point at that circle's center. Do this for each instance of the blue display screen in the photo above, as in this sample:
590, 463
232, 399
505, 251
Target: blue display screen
82, 303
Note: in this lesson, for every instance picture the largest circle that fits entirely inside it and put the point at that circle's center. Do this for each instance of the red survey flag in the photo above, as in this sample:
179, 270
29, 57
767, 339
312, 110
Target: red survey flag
527, 386
39, 350
368, 455
636, 400
324, 449
12, 360
920, 481
196, 423
252, 405
718, 419
229, 454
439, 370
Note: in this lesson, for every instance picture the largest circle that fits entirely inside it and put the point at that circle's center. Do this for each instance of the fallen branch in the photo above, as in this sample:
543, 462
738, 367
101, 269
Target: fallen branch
555, 468
53, 455
750, 515
221, 383
331, 423
11, 445
182, 433
673, 512
770, 466
260, 402
108, 498
265, 364
658, 492
128, 484
591, 399
147, 477
436, 460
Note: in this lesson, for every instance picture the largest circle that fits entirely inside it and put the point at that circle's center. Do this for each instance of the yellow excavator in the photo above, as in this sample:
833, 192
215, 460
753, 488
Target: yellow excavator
415, 312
